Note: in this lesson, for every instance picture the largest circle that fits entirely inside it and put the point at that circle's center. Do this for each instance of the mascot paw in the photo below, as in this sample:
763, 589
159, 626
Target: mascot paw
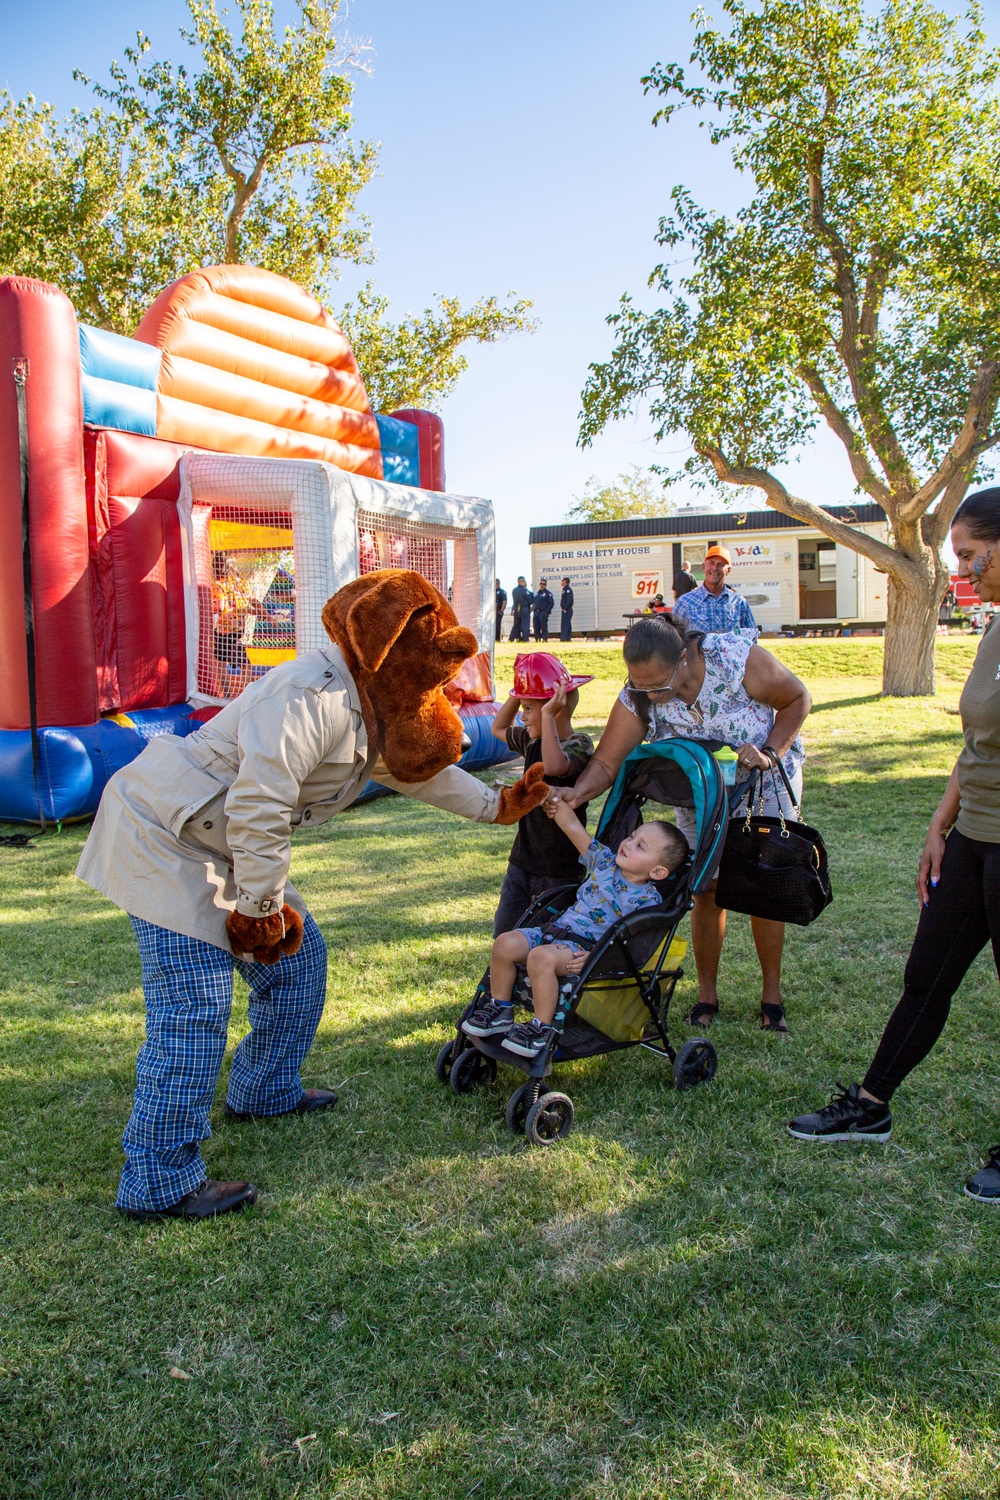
265, 939
524, 796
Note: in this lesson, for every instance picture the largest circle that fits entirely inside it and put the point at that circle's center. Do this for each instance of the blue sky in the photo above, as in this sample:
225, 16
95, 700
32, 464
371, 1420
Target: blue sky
516, 154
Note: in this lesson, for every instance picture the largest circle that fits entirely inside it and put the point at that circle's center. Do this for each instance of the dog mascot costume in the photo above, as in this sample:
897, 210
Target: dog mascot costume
192, 840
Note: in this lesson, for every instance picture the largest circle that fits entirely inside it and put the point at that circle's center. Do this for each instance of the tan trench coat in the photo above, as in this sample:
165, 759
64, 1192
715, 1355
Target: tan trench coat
195, 828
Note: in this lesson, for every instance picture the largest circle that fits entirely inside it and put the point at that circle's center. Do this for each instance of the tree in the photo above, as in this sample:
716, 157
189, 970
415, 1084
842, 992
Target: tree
246, 156
261, 135
638, 493
859, 286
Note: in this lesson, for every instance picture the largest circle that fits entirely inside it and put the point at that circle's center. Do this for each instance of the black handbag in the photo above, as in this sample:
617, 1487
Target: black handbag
771, 867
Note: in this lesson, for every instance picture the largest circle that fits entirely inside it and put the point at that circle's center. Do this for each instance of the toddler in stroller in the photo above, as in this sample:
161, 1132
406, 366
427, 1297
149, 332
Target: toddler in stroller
617, 884
616, 993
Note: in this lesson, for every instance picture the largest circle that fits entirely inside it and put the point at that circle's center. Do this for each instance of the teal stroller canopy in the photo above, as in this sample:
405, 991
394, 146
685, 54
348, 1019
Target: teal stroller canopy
675, 773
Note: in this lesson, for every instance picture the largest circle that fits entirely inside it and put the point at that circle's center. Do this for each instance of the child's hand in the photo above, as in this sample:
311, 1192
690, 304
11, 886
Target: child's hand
562, 812
575, 961
556, 704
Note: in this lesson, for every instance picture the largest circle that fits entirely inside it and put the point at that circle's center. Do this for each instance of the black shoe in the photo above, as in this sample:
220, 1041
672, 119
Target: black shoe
206, 1202
312, 1099
492, 1019
528, 1038
985, 1185
847, 1117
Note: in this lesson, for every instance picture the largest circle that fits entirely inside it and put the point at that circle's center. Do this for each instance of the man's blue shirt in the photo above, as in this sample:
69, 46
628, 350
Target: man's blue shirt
701, 610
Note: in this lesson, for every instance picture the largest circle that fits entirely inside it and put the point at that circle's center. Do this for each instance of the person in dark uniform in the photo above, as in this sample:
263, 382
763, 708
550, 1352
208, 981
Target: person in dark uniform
543, 606
501, 606
684, 580
520, 603
566, 612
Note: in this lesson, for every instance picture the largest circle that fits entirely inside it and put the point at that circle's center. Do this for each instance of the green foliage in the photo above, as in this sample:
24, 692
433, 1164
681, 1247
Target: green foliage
93, 206
857, 286
679, 1301
418, 362
260, 134
245, 155
637, 492
246, 158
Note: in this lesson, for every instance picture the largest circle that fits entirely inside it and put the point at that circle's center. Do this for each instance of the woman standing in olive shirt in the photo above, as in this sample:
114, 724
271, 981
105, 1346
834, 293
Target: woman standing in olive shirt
958, 878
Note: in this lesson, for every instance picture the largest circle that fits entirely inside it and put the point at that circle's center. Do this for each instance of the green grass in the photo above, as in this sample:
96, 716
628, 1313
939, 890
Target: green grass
677, 1301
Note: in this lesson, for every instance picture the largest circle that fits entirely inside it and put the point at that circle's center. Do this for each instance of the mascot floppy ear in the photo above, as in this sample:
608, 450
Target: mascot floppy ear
377, 619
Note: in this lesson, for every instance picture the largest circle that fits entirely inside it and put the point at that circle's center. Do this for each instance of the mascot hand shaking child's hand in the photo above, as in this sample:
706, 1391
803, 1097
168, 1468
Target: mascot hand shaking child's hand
524, 796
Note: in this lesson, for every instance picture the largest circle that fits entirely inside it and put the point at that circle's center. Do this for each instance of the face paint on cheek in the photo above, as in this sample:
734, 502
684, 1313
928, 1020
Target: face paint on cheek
981, 564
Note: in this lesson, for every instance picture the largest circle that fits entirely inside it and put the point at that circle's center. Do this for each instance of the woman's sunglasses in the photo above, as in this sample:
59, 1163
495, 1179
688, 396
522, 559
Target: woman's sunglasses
657, 692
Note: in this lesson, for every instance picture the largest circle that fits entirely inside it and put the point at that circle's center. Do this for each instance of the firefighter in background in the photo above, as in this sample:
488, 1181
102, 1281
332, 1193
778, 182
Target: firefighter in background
566, 612
520, 603
543, 606
501, 606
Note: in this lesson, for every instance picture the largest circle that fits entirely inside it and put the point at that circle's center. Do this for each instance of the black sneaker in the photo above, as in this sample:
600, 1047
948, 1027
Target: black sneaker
985, 1185
847, 1117
528, 1038
491, 1019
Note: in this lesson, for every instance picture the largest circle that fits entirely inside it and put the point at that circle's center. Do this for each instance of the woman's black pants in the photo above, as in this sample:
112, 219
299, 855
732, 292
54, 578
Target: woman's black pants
962, 916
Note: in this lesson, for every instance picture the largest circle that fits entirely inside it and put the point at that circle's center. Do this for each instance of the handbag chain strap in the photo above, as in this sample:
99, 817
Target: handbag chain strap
757, 788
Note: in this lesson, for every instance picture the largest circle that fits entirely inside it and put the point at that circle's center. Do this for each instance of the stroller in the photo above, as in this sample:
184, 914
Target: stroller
622, 996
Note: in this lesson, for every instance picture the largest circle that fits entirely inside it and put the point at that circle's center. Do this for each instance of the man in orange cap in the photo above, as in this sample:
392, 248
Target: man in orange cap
714, 606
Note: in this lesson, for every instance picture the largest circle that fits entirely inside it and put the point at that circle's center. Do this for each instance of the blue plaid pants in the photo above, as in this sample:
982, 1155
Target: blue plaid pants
188, 987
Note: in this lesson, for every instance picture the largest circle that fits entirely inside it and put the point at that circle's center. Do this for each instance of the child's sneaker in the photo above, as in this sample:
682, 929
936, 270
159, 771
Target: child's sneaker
491, 1019
528, 1038
847, 1117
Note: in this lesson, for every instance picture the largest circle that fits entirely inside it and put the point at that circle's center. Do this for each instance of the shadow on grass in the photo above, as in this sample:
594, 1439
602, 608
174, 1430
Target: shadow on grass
835, 703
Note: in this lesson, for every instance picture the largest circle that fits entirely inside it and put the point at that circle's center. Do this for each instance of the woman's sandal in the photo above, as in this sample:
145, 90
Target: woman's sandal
702, 1014
772, 1018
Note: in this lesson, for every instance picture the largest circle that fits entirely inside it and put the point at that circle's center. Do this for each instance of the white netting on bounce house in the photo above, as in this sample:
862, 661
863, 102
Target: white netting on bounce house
267, 541
447, 556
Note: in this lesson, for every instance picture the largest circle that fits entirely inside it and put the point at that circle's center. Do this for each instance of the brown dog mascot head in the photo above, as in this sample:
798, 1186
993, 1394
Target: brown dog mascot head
402, 643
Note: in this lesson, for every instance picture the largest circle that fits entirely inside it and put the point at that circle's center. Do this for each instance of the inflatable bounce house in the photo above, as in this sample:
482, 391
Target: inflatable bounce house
175, 509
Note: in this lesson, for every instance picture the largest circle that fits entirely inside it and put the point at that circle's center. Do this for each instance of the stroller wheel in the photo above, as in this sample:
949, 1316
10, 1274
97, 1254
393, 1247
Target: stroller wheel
469, 1068
518, 1106
695, 1063
443, 1062
549, 1119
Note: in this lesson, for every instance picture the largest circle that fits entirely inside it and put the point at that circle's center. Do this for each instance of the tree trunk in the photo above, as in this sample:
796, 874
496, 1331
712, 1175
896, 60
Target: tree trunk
910, 634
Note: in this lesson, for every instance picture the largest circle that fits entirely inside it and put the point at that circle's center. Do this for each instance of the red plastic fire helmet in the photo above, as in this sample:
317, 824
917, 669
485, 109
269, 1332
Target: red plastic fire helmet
537, 674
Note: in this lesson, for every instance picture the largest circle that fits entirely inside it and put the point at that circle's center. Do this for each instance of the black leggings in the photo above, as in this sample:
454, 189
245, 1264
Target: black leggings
962, 916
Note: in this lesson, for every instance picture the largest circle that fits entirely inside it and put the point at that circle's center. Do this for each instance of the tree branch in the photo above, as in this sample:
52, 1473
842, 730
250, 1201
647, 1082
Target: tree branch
779, 498
852, 441
245, 189
934, 528
855, 338
958, 461
875, 284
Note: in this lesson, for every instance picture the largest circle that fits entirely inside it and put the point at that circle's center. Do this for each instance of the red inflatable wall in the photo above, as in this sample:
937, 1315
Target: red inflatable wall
133, 484
38, 321
430, 430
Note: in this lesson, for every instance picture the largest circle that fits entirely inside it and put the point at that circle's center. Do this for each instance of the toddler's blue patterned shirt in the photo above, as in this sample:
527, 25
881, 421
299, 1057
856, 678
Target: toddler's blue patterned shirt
604, 897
